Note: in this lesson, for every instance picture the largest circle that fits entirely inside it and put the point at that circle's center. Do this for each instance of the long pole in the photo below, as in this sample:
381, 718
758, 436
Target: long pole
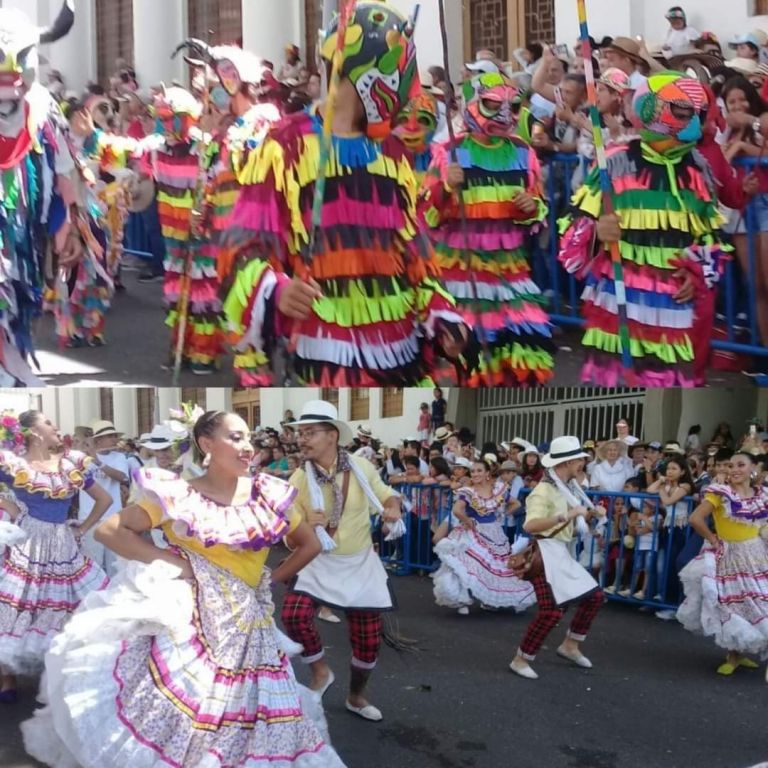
607, 190
196, 212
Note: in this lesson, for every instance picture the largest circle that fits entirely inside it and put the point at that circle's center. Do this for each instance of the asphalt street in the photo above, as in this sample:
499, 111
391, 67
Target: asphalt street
138, 343
653, 699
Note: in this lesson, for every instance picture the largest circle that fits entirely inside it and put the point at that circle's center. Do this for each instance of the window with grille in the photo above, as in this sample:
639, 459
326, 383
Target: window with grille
107, 404
359, 405
194, 395
330, 396
114, 36
759, 8
145, 408
392, 402
222, 17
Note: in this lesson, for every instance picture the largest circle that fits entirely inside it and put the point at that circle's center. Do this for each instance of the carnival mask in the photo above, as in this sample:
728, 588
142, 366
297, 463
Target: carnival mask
176, 111
379, 60
669, 106
416, 124
492, 105
233, 66
102, 112
19, 61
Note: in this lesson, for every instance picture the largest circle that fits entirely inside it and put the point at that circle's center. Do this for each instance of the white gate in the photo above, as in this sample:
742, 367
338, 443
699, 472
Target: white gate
538, 415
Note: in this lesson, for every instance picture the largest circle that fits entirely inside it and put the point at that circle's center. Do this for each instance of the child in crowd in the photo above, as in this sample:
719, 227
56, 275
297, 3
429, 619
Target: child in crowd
425, 419
643, 525
680, 37
439, 406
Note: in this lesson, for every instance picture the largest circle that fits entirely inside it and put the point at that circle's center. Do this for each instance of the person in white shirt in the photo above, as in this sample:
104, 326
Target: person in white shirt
680, 37
614, 468
112, 470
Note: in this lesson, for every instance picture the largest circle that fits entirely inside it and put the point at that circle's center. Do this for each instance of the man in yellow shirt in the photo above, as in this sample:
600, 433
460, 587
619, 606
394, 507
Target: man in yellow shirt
336, 492
551, 511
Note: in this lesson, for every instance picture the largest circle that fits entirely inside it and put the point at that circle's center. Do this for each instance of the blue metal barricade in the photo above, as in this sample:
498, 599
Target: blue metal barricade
633, 556
742, 336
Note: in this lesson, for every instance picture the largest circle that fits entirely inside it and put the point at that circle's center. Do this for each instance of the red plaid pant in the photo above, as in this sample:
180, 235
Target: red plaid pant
550, 614
299, 619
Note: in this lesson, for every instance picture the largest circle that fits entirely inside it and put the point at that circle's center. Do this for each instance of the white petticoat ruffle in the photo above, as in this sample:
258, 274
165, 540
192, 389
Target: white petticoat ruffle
474, 567
726, 596
81, 724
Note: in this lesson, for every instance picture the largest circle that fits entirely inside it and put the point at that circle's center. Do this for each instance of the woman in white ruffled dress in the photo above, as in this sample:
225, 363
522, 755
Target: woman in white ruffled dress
44, 574
179, 661
474, 558
726, 586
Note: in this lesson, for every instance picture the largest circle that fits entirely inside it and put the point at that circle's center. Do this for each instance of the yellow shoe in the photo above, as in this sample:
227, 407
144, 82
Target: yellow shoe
727, 668
749, 664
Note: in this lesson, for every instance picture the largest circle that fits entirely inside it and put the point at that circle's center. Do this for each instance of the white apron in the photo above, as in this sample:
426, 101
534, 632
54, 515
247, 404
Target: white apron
568, 579
346, 581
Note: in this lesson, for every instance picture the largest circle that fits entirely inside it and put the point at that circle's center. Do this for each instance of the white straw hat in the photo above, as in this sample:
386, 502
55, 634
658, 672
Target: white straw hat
563, 449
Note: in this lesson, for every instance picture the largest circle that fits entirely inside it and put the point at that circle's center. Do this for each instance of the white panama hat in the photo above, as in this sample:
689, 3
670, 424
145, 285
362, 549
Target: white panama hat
563, 449
160, 438
321, 412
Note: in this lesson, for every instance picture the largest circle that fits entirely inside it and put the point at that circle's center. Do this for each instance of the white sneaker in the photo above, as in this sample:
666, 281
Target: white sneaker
625, 592
610, 590
523, 668
463, 611
666, 615
639, 595
577, 657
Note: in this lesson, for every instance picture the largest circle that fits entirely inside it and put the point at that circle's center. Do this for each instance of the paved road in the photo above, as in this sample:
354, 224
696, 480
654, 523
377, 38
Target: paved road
653, 699
138, 344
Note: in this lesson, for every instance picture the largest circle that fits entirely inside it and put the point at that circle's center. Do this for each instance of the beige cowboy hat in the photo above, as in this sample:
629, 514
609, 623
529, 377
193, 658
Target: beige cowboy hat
321, 412
626, 46
364, 431
563, 449
442, 434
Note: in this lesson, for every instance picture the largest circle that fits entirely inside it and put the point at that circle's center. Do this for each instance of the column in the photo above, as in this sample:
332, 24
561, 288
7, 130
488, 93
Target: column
166, 398
345, 405
86, 408
126, 411
273, 404
429, 39
375, 407
158, 27
66, 406
218, 399
606, 17
268, 26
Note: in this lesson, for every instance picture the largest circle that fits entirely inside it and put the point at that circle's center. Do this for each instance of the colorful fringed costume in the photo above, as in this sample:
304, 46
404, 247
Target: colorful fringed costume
38, 199
492, 283
109, 156
669, 218
381, 299
180, 167
381, 295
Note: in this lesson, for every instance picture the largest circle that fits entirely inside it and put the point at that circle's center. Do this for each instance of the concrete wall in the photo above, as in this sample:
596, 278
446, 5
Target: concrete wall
646, 18
158, 27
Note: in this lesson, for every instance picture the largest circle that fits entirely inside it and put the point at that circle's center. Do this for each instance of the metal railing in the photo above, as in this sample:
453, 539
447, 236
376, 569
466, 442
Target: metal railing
564, 290
636, 564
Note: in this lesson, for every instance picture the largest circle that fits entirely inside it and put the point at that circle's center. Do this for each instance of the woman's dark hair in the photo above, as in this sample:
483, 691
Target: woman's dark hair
397, 462
489, 448
536, 50
579, 79
751, 456
28, 419
740, 83
412, 461
695, 429
485, 463
437, 73
685, 477
440, 465
206, 426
